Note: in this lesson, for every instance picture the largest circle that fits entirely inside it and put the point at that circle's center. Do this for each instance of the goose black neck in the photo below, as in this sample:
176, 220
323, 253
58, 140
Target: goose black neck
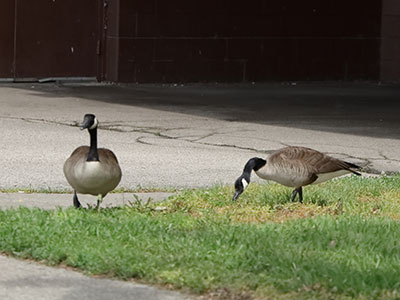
93, 154
255, 164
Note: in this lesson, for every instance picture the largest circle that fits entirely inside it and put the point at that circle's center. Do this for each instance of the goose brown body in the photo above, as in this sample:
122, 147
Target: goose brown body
294, 167
92, 177
300, 166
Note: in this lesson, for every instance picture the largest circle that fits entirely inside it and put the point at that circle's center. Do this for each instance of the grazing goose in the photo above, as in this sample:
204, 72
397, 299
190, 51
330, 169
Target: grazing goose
294, 167
90, 170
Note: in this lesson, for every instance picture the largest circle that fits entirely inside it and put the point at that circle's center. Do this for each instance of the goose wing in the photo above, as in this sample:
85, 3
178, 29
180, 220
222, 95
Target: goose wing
291, 166
107, 156
110, 165
77, 156
312, 161
80, 152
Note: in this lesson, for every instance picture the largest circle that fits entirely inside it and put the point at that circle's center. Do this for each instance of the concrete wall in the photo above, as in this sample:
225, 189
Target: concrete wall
235, 41
390, 47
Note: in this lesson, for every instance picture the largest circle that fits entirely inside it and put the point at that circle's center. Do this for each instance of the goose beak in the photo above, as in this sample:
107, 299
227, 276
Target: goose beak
85, 124
236, 195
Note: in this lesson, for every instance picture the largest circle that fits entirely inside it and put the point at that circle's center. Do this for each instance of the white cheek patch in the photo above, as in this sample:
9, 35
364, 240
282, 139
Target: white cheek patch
95, 122
245, 183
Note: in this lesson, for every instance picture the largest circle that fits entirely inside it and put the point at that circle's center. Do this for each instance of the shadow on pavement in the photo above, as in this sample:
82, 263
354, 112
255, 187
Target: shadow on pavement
365, 109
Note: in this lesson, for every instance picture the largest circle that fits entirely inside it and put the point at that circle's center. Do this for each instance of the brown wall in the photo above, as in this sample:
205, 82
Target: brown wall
7, 38
390, 47
253, 40
45, 38
56, 38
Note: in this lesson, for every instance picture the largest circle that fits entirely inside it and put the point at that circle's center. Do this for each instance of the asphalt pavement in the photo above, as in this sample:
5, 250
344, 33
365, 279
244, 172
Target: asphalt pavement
25, 280
191, 136
173, 136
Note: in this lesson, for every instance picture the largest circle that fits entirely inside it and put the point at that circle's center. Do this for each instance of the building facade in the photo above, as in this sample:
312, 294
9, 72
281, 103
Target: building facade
201, 40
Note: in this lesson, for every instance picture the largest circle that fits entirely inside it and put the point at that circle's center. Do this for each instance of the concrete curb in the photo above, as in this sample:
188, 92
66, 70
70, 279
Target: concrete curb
52, 201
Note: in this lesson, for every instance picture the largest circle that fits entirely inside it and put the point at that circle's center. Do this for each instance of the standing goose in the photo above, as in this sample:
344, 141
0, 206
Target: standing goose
294, 167
90, 170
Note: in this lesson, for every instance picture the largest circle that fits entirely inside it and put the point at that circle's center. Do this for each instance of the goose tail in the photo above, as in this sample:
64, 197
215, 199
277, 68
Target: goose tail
351, 166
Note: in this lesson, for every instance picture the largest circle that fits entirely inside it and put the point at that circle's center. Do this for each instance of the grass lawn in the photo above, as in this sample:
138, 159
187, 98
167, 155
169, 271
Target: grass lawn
342, 243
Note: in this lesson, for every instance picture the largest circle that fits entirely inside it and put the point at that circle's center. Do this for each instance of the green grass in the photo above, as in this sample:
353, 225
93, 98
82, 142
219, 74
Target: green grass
342, 243
49, 190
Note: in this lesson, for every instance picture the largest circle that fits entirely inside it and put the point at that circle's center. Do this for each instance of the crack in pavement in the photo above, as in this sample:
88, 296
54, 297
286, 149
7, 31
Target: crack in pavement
140, 141
156, 131
387, 158
160, 132
238, 147
203, 137
39, 120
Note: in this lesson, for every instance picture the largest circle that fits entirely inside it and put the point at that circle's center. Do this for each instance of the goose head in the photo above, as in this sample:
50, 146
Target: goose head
89, 122
240, 185
243, 181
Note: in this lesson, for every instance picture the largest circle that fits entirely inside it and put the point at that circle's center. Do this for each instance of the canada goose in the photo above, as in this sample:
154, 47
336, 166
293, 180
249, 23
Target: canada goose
90, 170
294, 167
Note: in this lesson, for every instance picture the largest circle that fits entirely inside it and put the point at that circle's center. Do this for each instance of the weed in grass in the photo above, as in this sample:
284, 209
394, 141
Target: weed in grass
50, 190
140, 189
31, 190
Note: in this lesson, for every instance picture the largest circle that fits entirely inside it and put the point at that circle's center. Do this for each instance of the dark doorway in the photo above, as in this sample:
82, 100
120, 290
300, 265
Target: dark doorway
49, 38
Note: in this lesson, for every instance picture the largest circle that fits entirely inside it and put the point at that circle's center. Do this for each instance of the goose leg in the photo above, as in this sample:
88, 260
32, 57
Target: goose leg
294, 193
77, 204
299, 191
99, 200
